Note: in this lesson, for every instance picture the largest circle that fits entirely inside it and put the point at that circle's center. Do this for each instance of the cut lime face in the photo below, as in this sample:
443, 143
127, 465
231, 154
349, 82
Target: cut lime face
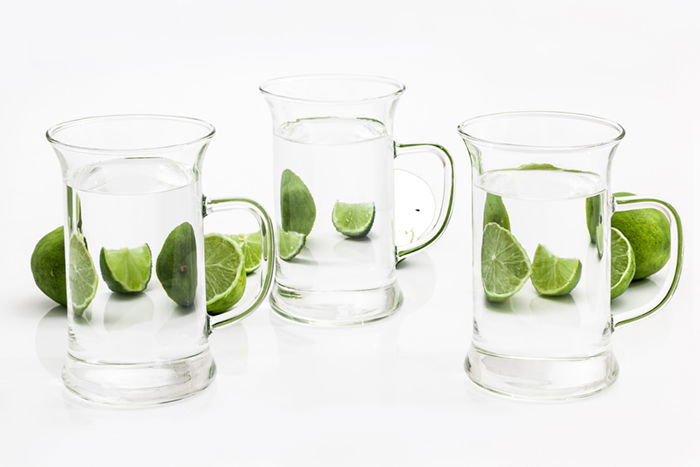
297, 205
126, 270
505, 266
290, 244
353, 219
553, 276
176, 266
251, 244
622, 264
225, 272
495, 211
82, 274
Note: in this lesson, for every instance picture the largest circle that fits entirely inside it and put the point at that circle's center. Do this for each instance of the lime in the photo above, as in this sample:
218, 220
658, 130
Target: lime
176, 266
251, 244
539, 166
553, 276
649, 233
505, 266
622, 263
82, 274
126, 270
495, 211
353, 219
225, 272
290, 244
49, 265
298, 207
594, 209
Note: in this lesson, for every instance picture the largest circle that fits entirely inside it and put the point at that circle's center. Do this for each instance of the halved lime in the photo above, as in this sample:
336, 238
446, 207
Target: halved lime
623, 265
290, 244
82, 274
176, 266
49, 265
553, 276
126, 270
251, 244
495, 211
505, 265
225, 272
353, 219
297, 205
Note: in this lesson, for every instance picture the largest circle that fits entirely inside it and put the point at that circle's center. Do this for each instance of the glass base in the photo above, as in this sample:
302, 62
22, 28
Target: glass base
335, 308
139, 384
540, 378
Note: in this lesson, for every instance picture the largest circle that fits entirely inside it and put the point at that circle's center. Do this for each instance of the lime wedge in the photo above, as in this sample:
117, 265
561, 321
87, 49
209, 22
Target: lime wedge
176, 266
353, 219
298, 207
82, 275
623, 265
553, 276
126, 270
505, 265
495, 211
225, 272
290, 244
251, 244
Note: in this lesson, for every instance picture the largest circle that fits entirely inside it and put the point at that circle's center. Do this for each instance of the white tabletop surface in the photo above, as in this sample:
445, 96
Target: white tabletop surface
390, 393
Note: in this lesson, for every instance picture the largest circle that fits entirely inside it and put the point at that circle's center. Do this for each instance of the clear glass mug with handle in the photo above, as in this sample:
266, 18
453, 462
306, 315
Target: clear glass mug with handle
541, 235
137, 310
334, 197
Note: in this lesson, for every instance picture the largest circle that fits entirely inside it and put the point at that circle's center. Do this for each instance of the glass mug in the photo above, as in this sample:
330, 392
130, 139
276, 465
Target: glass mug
541, 192
137, 318
334, 197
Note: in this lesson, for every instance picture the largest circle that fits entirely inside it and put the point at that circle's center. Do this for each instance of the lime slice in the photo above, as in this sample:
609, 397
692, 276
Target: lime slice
126, 270
82, 275
251, 244
553, 276
298, 207
176, 266
623, 264
225, 270
505, 266
495, 211
353, 219
290, 244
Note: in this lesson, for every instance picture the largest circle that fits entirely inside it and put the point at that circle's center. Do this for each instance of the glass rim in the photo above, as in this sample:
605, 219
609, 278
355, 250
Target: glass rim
265, 86
620, 131
53, 132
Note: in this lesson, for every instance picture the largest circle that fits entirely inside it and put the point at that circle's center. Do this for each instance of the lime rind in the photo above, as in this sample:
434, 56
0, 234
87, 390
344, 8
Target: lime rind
48, 264
505, 266
126, 270
298, 209
353, 220
176, 265
553, 276
290, 244
82, 274
495, 211
623, 264
225, 272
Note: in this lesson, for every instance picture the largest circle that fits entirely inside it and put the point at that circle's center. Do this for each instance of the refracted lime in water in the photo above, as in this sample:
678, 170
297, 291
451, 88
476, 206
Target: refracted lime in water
495, 211
176, 266
251, 244
594, 208
290, 244
82, 275
505, 266
539, 166
225, 272
553, 276
126, 270
297, 205
353, 219
623, 264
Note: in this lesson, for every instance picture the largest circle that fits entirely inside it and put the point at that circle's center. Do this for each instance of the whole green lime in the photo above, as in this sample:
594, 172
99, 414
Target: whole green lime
49, 265
649, 233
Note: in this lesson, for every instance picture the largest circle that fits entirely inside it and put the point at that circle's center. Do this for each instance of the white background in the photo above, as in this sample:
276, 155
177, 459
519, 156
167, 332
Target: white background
393, 393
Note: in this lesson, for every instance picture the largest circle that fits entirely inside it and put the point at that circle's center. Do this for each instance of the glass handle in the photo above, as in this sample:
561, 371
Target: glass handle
268, 252
443, 217
638, 202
